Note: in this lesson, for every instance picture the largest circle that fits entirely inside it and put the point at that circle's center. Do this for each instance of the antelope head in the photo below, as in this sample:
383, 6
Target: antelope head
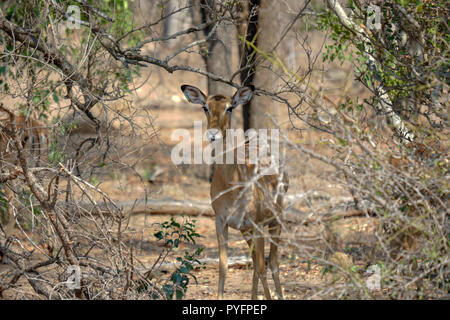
218, 108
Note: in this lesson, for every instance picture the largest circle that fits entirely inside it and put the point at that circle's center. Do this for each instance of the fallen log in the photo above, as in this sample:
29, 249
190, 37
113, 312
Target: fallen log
194, 208
159, 206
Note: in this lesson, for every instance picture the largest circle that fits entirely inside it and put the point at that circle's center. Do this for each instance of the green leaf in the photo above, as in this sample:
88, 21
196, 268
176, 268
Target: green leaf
184, 270
176, 277
419, 8
55, 98
179, 294
168, 290
158, 235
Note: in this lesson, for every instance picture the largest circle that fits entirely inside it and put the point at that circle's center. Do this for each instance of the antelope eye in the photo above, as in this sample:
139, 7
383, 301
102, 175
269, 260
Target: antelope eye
205, 108
229, 109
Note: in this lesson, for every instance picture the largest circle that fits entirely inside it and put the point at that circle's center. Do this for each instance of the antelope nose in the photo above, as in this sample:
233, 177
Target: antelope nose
213, 134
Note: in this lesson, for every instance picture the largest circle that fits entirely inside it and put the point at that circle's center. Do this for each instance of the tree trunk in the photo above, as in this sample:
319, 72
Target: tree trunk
263, 24
217, 52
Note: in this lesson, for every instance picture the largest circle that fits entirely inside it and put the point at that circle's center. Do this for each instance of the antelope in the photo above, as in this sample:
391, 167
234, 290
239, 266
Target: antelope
33, 136
233, 206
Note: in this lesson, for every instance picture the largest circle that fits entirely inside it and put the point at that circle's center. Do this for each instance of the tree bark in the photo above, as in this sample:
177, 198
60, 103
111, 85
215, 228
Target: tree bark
263, 24
217, 52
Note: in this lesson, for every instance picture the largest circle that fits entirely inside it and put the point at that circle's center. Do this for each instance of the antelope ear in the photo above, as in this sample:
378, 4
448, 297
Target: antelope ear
243, 95
193, 94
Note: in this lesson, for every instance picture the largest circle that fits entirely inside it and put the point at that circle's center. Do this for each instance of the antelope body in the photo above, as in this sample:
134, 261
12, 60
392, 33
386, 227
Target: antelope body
240, 197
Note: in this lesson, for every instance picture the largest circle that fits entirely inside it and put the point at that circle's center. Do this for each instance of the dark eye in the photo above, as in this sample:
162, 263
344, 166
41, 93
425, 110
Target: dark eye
229, 109
205, 108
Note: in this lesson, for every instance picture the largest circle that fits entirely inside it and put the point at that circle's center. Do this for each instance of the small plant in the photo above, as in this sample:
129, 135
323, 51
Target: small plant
172, 234
179, 280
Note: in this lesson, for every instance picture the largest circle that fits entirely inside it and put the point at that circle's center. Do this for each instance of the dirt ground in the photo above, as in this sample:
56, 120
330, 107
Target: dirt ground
300, 279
